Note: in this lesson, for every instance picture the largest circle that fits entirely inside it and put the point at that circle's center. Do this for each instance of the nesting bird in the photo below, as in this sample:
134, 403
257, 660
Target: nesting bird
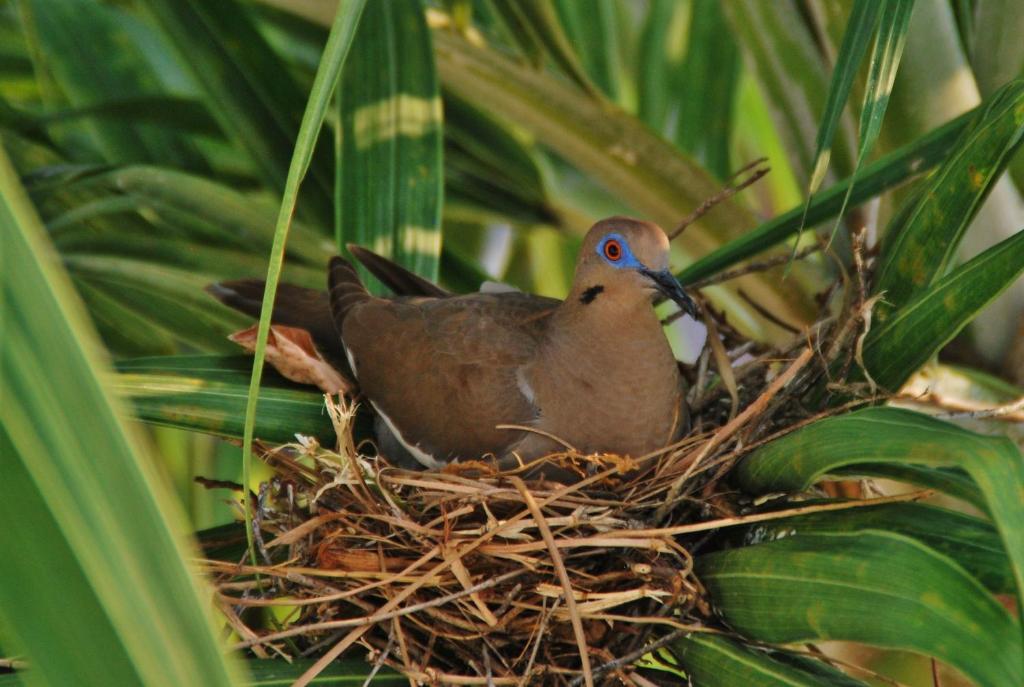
448, 374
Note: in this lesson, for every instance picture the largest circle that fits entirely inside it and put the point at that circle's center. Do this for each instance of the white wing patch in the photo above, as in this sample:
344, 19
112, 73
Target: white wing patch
415, 451
524, 386
497, 287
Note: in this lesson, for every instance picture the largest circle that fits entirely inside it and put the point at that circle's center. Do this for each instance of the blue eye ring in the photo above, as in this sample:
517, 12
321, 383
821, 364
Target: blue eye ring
612, 250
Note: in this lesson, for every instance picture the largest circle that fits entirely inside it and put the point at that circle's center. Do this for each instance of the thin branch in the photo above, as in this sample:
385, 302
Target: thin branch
727, 192
633, 655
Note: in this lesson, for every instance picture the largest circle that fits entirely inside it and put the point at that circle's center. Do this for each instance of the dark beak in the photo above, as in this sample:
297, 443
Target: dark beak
671, 288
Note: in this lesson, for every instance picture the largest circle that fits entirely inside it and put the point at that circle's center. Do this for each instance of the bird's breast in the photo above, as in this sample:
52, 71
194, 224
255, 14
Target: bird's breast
611, 394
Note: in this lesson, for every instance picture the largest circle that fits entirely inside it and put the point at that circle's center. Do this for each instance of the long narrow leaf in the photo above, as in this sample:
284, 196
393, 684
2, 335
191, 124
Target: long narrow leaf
881, 175
280, 673
902, 343
970, 541
922, 251
390, 166
780, 51
860, 29
73, 63
247, 86
659, 55
208, 394
539, 20
595, 34
103, 513
328, 73
874, 587
885, 59
891, 435
706, 84
710, 659
228, 215
342, 673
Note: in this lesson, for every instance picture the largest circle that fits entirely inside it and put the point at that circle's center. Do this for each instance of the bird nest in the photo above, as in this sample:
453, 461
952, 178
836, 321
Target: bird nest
472, 575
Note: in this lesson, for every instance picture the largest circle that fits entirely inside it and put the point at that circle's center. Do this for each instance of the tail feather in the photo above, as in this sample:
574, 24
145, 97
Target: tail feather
344, 289
400, 280
294, 306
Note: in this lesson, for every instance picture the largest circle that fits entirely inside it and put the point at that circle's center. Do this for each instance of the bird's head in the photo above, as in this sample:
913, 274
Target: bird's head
623, 255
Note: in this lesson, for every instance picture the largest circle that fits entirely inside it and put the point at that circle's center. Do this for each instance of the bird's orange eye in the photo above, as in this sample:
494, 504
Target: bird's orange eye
612, 250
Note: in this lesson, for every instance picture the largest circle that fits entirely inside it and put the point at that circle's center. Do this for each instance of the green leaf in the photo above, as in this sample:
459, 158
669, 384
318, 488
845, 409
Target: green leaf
950, 481
914, 258
781, 52
895, 348
998, 56
714, 660
281, 673
123, 330
660, 54
59, 26
100, 512
598, 137
487, 165
891, 435
595, 33
211, 210
328, 74
536, 27
872, 586
970, 541
170, 297
390, 165
711, 68
248, 88
879, 176
860, 29
208, 394
180, 114
885, 59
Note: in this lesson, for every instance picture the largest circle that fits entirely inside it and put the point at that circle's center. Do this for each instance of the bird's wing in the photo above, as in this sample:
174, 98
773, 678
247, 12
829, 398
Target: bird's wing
443, 372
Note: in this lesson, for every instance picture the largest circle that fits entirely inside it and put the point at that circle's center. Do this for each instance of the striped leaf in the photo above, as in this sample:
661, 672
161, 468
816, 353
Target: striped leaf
208, 394
706, 87
596, 32
885, 59
389, 167
248, 88
780, 51
862, 26
58, 27
536, 27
